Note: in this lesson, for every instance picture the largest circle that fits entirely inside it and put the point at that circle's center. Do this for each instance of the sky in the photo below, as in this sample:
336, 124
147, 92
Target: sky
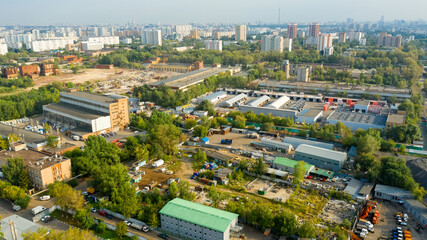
82, 12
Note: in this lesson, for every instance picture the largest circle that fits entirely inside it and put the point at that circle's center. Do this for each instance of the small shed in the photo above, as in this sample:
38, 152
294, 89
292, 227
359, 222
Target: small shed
205, 140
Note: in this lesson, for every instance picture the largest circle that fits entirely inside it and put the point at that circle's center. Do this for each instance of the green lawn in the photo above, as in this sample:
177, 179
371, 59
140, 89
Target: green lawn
65, 217
110, 234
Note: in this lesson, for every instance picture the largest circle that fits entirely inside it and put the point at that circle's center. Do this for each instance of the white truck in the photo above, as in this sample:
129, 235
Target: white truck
158, 163
140, 227
37, 210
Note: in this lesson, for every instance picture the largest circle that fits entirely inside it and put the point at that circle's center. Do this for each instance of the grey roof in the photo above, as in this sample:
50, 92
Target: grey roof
310, 112
353, 187
213, 96
279, 102
22, 225
258, 101
363, 102
272, 143
295, 142
373, 119
418, 207
366, 189
29, 137
396, 118
393, 191
235, 99
321, 152
89, 96
78, 112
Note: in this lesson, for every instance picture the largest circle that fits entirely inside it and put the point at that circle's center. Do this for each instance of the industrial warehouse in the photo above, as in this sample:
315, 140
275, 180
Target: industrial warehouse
85, 114
308, 109
189, 220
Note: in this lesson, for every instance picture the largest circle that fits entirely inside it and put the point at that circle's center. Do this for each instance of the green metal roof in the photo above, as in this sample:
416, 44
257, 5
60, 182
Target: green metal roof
290, 163
323, 172
199, 214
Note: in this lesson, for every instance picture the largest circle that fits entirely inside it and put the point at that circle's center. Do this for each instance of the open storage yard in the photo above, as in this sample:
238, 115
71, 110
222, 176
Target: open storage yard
268, 190
387, 222
335, 211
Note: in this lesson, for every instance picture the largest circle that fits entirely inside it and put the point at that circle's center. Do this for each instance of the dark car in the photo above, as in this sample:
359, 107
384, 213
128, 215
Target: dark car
109, 216
102, 212
47, 219
162, 235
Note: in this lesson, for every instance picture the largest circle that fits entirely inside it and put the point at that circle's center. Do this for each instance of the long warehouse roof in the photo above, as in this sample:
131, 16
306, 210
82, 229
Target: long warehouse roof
259, 101
321, 152
279, 102
199, 214
235, 99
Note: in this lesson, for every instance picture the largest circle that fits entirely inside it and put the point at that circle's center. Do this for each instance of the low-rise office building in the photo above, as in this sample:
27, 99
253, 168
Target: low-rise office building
288, 165
356, 120
394, 120
321, 157
43, 169
189, 220
87, 114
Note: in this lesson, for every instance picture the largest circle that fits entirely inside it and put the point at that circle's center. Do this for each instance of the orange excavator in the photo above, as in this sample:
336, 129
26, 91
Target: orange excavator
352, 234
369, 205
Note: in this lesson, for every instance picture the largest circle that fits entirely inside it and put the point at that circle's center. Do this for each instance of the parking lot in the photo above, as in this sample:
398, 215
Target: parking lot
387, 222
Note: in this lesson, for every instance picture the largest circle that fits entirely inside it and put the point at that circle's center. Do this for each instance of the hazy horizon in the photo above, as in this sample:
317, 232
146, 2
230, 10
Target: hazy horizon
79, 12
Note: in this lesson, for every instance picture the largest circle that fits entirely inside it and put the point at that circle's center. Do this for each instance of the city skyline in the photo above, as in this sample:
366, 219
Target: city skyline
190, 11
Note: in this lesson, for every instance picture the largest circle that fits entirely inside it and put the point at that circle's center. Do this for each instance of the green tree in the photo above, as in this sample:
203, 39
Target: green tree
166, 136
299, 172
66, 197
190, 123
24, 179
269, 126
173, 190
239, 122
46, 129
121, 229
184, 191
153, 220
307, 230
70, 234
200, 131
285, 224
419, 193
84, 218
13, 169
101, 227
367, 144
259, 167
52, 141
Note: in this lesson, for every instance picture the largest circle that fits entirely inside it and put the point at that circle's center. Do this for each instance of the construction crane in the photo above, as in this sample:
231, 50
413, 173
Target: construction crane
352, 234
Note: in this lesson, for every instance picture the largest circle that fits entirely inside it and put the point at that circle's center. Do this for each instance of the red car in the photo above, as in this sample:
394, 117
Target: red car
102, 212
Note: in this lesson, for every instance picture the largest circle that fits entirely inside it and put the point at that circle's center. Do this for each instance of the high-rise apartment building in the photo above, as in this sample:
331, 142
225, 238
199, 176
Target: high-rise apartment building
303, 74
313, 30
342, 37
287, 44
3, 48
325, 40
292, 30
151, 37
183, 30
240, 33
387, 40
213, 45
271, 43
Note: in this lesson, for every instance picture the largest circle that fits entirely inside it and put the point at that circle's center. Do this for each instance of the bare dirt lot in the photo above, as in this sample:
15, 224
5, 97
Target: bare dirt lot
387, 222
335, 211
274, 192
240, 141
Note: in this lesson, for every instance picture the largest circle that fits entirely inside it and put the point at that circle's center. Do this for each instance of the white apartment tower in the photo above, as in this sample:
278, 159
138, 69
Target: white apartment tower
240, 33
271, 43
151, 37
213, 45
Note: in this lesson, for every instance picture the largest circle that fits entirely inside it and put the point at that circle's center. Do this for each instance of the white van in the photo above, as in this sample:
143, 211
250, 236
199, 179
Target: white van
45, 198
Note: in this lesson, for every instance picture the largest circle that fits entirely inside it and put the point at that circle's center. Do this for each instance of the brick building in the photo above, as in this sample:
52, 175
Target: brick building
9, 73
30, 71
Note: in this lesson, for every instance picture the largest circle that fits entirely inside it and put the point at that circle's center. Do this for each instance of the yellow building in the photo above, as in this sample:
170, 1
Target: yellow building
394, 120
43, 169
179, 68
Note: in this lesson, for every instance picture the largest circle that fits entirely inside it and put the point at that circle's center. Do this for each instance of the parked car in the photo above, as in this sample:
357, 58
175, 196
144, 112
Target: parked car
45, 198
93, 210
102, 213
109, 216
162, 235
47, 219
128, 223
